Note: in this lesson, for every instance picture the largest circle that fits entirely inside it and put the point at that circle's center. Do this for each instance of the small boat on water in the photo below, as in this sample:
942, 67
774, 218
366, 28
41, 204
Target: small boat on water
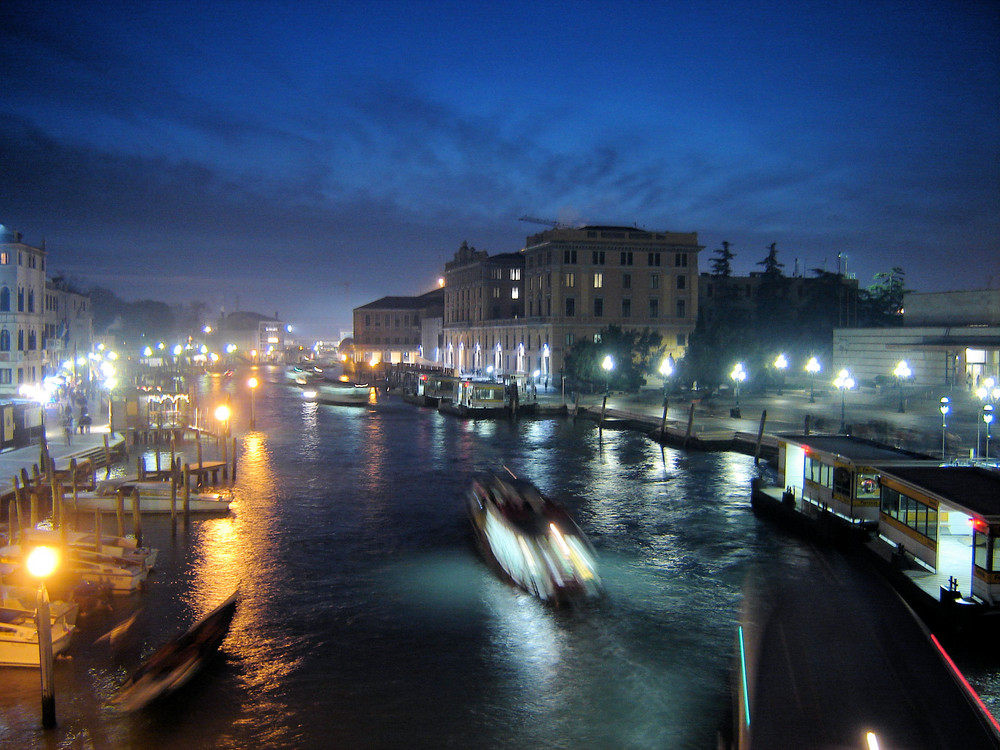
337, 393
174, 664
154, 497
532, 540
123, 575
118, 547
19, 634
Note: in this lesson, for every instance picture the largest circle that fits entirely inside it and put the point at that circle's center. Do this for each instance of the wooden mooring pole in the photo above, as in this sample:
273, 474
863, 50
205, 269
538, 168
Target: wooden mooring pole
760, 437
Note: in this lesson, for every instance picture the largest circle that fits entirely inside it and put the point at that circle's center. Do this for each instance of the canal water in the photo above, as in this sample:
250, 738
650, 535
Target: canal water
367, 619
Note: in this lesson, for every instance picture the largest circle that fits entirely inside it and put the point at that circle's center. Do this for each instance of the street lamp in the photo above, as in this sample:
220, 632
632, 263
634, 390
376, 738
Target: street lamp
252, 382
988, 419
608, 364
666, 370
42, 563
844, 382
222, 414
781, 364
902, 372
738, 375
945, 408
812, 367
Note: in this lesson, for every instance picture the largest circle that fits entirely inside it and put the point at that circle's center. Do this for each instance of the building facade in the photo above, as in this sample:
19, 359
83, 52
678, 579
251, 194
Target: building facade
574, 283
43, 322
947, 339
399, 329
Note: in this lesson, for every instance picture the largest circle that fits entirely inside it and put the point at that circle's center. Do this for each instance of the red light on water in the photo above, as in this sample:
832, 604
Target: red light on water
965, 683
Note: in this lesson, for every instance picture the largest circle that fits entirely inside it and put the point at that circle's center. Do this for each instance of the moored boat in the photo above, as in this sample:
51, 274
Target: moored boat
154, 497
532, 540
19, 636
175, 663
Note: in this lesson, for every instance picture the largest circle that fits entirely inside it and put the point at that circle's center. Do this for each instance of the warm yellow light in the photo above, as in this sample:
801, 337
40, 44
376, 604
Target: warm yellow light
42, 561
252, 382
222, 413
872, 741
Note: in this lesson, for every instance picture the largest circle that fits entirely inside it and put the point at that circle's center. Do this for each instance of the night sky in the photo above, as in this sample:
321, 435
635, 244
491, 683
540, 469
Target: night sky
306, 158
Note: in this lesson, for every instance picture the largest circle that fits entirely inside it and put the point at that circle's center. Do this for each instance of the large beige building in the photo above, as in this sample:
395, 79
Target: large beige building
42, 321
522, 318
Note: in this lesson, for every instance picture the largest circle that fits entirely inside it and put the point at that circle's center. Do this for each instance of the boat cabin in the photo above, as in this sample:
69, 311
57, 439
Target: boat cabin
836, 473
474, 394
948, 518
435, 388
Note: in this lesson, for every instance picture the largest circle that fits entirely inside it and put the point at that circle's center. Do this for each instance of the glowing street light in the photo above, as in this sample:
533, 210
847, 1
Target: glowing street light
781, 364
222, 414
944, 408
902, 372
844, 382
812, 367
738, 375
42, 563
608, 364
666, 370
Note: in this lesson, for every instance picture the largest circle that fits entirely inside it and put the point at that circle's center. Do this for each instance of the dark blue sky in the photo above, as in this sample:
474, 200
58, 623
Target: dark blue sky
307, 158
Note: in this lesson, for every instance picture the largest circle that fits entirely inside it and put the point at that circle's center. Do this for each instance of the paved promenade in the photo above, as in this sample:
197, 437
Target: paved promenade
867, 413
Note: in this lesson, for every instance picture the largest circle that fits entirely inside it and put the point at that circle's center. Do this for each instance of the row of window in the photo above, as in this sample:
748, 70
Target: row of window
5, 341
5, 298
600, 258
388, 320
626, 307
910, 512
569, 281
33, 260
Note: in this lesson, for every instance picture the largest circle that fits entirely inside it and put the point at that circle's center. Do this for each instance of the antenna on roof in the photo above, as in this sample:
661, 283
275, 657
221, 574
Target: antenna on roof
547, 222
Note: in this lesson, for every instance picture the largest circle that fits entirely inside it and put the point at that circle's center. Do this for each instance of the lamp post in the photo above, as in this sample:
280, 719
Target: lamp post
988, 419
608, 364
252, 382
738, 375
781, 364
902, 372
988, 394
844, 382
945, 408
42, 563
812, 367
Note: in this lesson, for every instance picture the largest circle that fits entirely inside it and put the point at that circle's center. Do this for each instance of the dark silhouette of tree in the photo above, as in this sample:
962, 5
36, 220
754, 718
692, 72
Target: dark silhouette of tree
635, 355
722, 265
882, 302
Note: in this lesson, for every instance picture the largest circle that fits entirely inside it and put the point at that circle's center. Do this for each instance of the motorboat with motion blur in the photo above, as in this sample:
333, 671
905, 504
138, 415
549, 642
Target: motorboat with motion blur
175, 663
532, 540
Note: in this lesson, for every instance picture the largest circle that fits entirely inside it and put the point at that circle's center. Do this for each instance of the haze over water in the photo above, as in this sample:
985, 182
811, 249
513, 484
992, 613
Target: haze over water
369, 620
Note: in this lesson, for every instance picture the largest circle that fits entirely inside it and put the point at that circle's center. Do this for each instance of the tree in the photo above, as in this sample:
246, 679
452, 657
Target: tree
635, 355
772, 268
882, 302
722, 265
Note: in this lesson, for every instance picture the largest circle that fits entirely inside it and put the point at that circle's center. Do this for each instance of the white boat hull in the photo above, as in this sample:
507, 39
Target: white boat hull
19, 638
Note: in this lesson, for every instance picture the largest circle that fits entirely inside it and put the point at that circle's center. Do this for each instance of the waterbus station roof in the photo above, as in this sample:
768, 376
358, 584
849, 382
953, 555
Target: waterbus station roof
969, 487
853, 448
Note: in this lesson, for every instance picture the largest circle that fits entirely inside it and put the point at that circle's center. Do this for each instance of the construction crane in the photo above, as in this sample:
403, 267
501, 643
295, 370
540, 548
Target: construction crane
546, 222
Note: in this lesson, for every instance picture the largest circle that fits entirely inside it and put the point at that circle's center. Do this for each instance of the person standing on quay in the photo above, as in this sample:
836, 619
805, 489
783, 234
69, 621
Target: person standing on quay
68, 426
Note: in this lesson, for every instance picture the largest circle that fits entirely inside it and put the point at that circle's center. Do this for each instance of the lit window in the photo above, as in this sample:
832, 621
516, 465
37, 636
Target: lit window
598, 280
514, 293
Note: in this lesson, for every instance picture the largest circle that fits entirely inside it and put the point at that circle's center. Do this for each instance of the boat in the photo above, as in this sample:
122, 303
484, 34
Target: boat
532, 540
19, 634
336, 393
173, 665
154, 497
119, 547
25, 598
477, 398
121, 574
